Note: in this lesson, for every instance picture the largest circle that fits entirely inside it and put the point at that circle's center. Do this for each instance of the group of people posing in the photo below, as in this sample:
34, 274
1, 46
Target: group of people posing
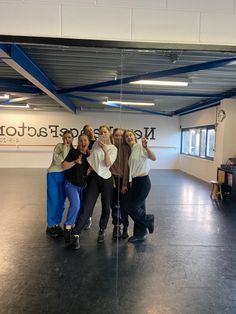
114, 166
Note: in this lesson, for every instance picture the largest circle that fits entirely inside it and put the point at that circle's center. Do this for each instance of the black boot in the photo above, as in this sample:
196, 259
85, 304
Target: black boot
125, 233
59, 231
150, 223
136, 239
116, 233
67, 235
75, 242
101, 235
52, 232
88, 224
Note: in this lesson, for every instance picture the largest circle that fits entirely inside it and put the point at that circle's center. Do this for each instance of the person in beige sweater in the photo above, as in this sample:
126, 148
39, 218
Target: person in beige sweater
120, 174
56, 194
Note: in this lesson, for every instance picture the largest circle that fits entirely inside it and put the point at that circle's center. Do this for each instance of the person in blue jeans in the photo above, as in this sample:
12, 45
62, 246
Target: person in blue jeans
76, 167
56, 194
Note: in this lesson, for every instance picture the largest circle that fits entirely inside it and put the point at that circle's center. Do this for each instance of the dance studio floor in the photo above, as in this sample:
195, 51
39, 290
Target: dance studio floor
188, 266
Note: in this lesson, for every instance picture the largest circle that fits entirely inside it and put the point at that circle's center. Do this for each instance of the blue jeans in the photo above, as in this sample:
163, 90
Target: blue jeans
56, 197
75, 195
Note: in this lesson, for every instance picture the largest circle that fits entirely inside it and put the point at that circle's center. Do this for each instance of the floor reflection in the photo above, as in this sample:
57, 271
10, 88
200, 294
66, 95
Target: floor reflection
187, 266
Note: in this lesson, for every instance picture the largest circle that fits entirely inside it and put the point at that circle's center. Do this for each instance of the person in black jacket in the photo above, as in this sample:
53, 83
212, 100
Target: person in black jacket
76, 167
89, 131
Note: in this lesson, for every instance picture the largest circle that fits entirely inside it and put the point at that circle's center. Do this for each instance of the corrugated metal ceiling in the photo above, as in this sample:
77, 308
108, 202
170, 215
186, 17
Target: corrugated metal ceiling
69, 67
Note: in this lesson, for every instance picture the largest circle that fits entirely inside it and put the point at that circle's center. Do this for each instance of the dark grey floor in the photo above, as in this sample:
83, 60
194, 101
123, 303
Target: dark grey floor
187, 267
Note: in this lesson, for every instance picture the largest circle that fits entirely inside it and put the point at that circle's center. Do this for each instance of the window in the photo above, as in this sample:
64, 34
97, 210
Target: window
199, 142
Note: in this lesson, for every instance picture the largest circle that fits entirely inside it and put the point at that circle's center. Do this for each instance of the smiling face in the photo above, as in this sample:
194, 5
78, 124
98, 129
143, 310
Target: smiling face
118, 136
67, 138
83, 143
130, 138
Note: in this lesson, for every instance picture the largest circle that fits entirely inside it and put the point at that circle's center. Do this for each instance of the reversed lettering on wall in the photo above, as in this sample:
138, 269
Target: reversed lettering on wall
52, 133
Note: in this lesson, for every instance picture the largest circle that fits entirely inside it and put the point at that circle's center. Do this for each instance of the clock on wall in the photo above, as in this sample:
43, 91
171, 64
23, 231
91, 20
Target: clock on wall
221, 115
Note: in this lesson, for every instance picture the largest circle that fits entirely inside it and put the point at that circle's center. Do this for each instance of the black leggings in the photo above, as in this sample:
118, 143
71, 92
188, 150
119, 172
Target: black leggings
119, 204
141, 187
96, 185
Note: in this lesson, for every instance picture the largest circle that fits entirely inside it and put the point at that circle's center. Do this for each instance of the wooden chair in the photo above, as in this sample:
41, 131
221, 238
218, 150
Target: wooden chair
216, 191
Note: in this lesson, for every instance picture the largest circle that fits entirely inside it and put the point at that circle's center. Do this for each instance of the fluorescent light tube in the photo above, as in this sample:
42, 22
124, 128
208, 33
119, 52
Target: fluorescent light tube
5, 96
128, 103
160, 83
10, 106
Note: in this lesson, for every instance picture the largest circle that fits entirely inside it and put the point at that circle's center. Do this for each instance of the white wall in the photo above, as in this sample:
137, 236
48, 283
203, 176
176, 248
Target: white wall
172, 21
27, 138
229, 129
225, 143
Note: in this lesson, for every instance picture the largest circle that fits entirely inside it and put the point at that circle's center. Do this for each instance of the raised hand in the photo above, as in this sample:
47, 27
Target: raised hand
79, 160
103, 146
144, 142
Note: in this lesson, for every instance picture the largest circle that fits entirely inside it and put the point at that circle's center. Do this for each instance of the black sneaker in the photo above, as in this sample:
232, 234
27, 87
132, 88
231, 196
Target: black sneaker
116, 233
51, 231
67, 235
88, 224
59, 231
125, 233
75, 242
101, 236
136, 239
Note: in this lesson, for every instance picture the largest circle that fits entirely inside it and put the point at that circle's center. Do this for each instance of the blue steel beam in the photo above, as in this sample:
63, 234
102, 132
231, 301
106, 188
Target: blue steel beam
114, 105
16, 58
174, 94
18, 86
87, 99
198, 106
152, 75
214, 101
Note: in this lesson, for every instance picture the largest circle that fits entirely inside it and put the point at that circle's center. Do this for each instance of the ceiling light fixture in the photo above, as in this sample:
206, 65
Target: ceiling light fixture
161, 83
5, 96
10, 106
128, 103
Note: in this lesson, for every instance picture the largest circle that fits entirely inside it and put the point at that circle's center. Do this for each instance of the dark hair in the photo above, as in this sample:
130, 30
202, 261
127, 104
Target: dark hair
67, 132
84, 128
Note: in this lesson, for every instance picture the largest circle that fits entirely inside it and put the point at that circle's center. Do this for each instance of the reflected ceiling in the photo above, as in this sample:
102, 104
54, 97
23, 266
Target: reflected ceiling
77, 78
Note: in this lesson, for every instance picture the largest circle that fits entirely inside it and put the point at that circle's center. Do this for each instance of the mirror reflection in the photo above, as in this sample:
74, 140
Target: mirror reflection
105, 143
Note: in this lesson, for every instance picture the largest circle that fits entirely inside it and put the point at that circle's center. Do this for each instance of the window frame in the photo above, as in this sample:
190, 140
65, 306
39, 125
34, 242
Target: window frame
200, 128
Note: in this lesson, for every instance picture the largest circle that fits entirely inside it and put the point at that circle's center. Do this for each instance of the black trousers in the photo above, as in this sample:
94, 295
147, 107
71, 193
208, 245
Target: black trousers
140, 189
96, 185
119, 204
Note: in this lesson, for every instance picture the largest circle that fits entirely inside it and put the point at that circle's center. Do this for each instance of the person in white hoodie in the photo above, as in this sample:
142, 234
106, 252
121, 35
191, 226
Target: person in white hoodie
56, 194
